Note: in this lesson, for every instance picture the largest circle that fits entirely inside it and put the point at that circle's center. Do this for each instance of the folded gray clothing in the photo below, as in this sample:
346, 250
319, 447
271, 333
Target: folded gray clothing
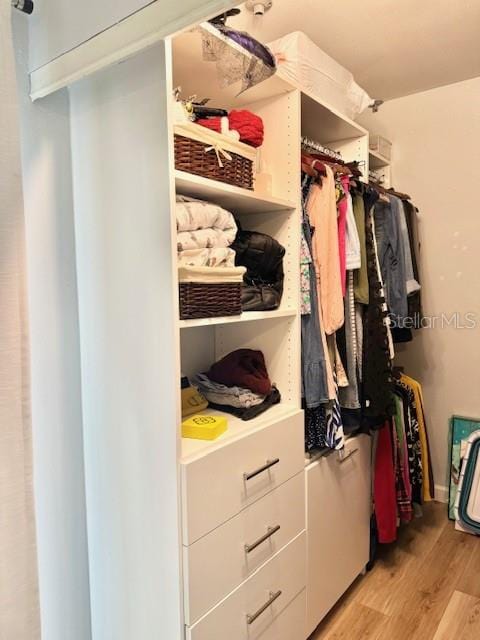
221, 394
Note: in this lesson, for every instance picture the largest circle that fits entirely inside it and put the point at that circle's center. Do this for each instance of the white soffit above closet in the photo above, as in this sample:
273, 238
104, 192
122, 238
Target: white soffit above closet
393, 48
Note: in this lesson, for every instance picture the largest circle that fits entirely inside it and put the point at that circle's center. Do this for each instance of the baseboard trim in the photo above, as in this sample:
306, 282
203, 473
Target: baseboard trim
441, 493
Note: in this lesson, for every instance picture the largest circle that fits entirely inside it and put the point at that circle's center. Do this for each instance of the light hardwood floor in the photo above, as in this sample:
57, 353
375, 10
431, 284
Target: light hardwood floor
424, 587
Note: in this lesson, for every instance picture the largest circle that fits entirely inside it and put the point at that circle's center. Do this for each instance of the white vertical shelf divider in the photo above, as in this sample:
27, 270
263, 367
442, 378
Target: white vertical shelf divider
123, 191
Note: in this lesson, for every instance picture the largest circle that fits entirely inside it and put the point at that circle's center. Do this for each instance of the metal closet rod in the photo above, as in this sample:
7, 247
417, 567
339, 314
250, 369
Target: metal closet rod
316, 146
26, 6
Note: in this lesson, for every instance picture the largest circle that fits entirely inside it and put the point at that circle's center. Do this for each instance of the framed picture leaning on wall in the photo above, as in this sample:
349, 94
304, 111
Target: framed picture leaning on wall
460, 430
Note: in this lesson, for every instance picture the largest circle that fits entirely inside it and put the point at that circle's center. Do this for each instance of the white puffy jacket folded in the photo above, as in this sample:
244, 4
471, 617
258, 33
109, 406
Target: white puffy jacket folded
203, 225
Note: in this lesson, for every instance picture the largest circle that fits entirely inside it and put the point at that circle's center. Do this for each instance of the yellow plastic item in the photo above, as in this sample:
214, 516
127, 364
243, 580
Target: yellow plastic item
192, 402
204, 427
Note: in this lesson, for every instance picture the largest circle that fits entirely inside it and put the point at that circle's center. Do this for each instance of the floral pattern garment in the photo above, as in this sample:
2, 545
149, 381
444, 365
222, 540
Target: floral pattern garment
335, 438
412, 433
404, 503
305, 262
316, 428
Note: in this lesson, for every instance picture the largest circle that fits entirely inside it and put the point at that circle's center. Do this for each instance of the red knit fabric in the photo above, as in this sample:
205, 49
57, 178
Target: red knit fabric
210, 123
384, 487
248, 125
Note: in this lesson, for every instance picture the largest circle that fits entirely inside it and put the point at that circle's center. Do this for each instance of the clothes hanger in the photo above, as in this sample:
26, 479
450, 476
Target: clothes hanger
314, 163
328, 160
306, 168
397, 372
355, 169
341, 170
399, 194
388, 192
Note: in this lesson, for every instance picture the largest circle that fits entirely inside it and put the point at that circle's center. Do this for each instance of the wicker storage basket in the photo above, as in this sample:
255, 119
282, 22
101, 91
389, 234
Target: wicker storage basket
212, 155
200, 300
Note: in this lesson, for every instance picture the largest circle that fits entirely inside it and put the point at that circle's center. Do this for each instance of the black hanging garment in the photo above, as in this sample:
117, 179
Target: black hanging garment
377, 381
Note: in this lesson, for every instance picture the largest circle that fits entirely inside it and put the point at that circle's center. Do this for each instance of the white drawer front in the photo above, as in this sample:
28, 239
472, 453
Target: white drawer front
219, 562
290, 624
279, 581
338, 525
215, 487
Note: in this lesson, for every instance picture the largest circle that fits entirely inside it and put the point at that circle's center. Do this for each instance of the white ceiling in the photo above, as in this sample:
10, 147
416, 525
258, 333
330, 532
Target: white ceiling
393, 47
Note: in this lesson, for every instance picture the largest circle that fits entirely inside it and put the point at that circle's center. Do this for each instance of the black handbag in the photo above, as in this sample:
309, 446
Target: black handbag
263, 281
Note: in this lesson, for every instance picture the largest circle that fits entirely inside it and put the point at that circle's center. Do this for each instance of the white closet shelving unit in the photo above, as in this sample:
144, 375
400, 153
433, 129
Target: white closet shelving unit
192, 539
329, 507
222, 510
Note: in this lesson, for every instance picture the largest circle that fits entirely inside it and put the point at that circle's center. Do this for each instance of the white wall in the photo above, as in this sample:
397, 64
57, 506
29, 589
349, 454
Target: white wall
436, 146
54, 358
56, 26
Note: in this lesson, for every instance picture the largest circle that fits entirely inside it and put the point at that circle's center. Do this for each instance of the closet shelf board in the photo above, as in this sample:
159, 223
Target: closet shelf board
377, 161
249, 316
193, 449
235, 199
324, 123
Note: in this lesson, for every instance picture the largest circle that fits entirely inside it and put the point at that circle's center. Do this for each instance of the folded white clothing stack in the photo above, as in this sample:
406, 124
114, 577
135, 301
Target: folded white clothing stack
203, 225
205, 232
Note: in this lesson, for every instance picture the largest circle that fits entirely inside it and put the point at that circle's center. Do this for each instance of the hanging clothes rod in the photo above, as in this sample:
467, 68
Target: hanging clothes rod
308, 143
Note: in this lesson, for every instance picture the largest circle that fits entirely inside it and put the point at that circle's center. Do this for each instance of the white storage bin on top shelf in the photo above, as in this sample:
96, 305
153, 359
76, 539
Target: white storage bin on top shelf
304, 64
381, 147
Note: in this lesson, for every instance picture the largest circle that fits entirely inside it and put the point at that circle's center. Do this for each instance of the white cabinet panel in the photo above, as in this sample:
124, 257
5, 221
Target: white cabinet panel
129, 354
100, 30
60, 25
338, 525
220, 484
217, 563
278, 582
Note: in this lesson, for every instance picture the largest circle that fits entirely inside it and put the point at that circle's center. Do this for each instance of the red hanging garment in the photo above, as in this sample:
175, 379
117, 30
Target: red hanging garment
384, 487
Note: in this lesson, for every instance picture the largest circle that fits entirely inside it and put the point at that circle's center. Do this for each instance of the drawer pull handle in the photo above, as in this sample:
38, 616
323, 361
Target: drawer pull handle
266, 536
273, 596
345, 456
265, 467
